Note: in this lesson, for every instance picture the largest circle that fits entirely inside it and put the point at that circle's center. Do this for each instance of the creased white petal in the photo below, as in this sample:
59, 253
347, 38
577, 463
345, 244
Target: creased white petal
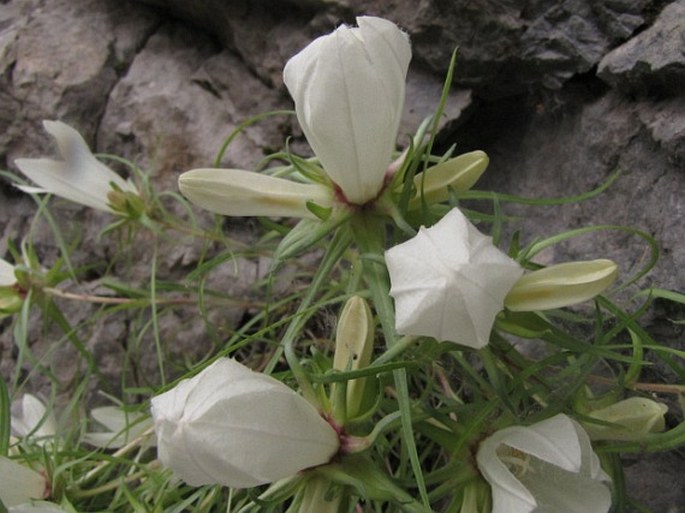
551, 467
235, 192
349, 89
235, 427
122, 427
79, 176
7, 278
449, 282
19, 484
33, 418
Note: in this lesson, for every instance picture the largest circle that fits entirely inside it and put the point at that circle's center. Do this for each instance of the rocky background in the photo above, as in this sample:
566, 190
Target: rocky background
560, 94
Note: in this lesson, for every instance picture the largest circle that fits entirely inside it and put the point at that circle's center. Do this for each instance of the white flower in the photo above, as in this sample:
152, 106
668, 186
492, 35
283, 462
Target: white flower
548, 467
229, 425
349, 89
122, 427
80, 177
7, 277
31, 418
449, 282
19, 484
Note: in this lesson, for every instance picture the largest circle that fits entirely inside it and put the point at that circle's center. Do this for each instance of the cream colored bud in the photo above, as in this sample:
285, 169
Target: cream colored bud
633, 418
458, 174
353, 347
234, 192
318, 497
561, 285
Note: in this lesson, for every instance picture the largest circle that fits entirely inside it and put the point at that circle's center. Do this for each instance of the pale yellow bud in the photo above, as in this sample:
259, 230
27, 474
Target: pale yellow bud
353, 347
561, 285
632, 419
458, 174
319, 498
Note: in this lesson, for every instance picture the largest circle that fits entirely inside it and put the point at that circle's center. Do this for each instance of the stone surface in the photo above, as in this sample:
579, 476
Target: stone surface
653, 61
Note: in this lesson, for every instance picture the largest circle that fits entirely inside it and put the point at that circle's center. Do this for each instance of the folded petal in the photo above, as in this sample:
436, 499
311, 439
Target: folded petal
546, 467
79, 177
7, 278
19, 484
235, 192
33, 418
349, 89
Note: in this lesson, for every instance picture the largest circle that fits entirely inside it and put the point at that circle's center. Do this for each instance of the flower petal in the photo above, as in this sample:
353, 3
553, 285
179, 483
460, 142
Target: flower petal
546, 467
33, 419
232, 426
19, 484
7, 277
80, 177
349, 89
234, 192
449, 282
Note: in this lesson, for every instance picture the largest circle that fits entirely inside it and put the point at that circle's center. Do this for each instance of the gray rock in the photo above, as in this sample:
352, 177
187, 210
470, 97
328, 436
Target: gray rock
59, 60
178, 102
654, 60
546, 154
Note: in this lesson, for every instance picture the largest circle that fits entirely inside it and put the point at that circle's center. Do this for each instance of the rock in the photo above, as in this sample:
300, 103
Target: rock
653, 62
548, 154
178, 103
665, 121
621, 18
262, 34
59, 60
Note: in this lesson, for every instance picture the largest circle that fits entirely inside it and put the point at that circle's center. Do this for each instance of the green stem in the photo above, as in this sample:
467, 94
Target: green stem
369, 234
339, 243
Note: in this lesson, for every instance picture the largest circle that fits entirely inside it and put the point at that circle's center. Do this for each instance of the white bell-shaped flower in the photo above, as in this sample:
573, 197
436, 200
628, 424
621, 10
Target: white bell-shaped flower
548, 467
349, 89
449, 282
79, 177
229, 425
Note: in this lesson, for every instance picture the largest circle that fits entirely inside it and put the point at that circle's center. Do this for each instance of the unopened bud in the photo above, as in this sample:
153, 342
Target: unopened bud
353, 347
631, 419
457, 174
561, 285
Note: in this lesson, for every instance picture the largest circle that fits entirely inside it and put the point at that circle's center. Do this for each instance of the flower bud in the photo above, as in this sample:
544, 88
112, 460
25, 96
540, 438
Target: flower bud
353, 347
459, 174
561, 285
10, 299
231, 426
319, 497
632, 419
234, 192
